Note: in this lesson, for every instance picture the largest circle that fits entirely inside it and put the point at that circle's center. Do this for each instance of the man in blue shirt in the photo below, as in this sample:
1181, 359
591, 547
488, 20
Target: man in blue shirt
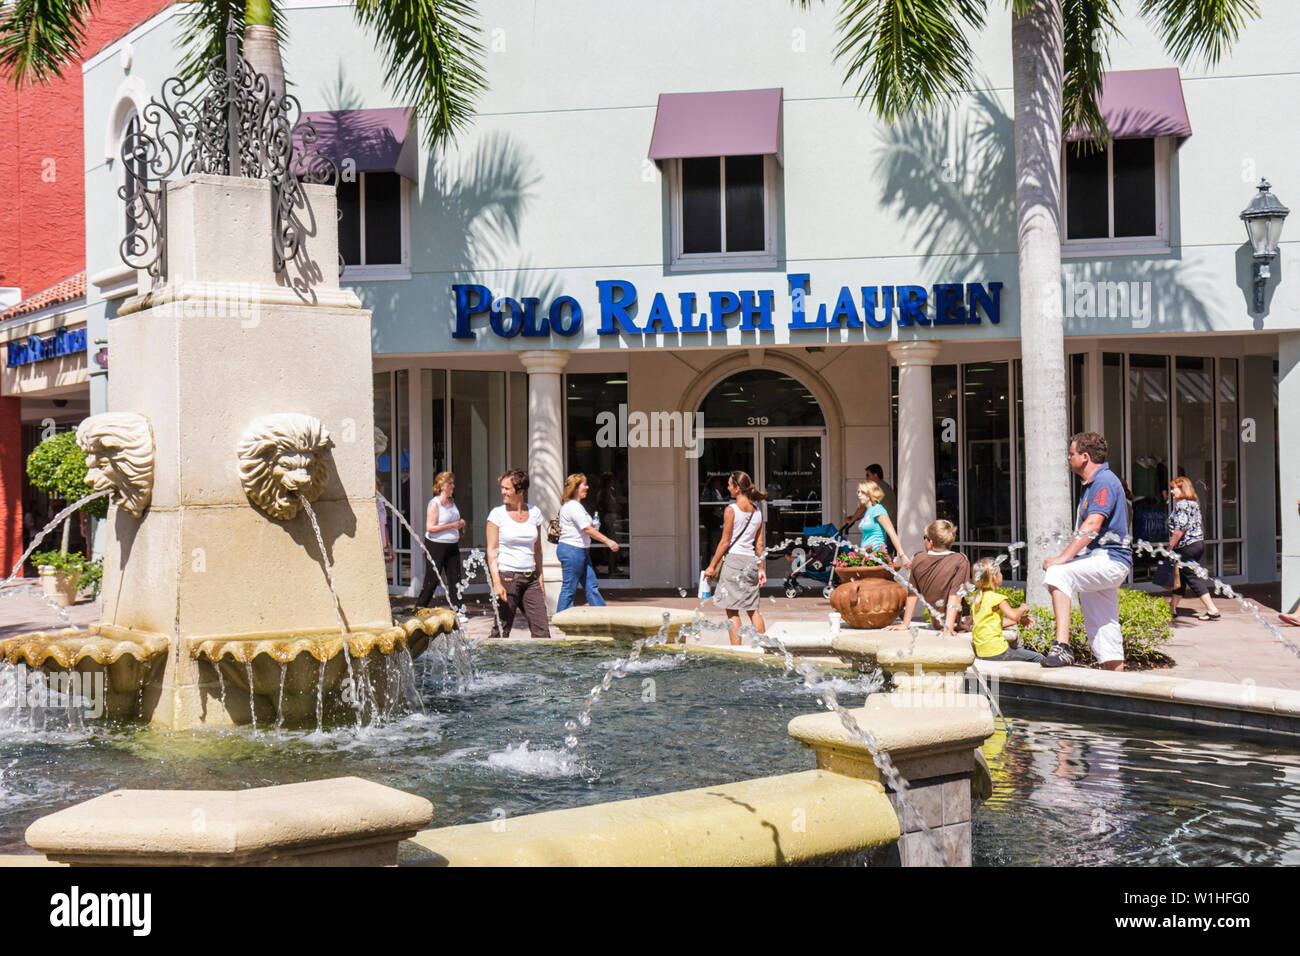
1095, 563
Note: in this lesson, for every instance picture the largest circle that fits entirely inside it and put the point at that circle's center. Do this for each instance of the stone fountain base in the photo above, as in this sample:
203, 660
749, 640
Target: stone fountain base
297, 676
202, 682
129, 661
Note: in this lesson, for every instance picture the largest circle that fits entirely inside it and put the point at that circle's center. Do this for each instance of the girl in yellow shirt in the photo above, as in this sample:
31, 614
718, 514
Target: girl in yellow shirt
990, 612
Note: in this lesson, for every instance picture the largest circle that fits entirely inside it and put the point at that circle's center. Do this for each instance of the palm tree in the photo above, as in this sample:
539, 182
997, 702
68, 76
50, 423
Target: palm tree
431, 50
910, 56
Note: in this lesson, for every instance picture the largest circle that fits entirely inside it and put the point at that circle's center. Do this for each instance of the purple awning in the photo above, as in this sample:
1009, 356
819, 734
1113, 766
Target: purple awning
732, 123
1141, 103
376, 140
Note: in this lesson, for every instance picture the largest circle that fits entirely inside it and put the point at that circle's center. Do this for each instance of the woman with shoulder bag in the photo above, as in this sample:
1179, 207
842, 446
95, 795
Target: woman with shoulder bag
577, 531
1187, 541
514, 556
737, 566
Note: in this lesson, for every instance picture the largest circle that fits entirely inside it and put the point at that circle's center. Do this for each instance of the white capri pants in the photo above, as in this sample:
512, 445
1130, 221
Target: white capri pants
1096, 579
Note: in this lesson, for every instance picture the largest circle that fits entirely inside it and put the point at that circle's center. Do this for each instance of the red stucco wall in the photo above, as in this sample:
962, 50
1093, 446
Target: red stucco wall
42, 200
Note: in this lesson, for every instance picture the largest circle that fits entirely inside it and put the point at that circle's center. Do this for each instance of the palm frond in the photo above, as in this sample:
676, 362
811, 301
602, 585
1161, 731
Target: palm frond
432, 55
907, 55
203, 33
38, 38
1089, 27
1206, 28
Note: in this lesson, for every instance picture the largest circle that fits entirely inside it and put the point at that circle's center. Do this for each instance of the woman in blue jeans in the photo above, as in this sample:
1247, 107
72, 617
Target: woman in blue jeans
576, 533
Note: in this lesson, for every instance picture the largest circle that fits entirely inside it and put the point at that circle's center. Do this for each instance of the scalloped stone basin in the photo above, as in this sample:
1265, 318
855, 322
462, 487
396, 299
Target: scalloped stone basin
623, 623
129, 660
931, 662
292, 673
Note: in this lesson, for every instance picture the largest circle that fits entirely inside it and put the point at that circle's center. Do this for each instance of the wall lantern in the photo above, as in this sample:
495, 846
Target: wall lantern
1263, 219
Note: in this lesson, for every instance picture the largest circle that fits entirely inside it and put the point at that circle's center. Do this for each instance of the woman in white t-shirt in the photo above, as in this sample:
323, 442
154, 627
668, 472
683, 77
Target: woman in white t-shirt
514, 555
577, 531
442, 527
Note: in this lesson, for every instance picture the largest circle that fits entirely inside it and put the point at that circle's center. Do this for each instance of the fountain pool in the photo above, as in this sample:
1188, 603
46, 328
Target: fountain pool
1065, 792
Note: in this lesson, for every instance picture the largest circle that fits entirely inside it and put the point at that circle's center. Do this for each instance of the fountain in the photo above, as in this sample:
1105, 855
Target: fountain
243, 571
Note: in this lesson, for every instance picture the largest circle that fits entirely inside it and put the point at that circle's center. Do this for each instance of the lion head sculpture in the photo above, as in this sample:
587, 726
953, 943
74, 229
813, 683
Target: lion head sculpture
119, 457
281, 457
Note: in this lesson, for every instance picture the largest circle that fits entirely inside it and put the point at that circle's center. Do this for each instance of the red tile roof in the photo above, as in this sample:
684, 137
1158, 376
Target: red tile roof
74, 287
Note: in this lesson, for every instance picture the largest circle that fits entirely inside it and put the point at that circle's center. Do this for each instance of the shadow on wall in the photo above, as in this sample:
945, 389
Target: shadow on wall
950, 179
1246, 283
472, 204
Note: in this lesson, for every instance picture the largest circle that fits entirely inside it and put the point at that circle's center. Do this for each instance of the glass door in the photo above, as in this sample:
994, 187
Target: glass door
792, 478
719, 457
786, 463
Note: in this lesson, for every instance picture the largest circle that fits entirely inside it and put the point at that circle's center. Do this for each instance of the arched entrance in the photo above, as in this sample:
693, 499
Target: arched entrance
768, 424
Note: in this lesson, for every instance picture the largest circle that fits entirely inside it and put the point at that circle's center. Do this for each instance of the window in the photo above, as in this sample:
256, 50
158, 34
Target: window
373, 226
1117, 199
135, 170
723, 211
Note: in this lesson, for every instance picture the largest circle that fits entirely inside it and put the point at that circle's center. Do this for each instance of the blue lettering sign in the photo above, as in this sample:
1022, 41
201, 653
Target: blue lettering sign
574, 325
990, 301
37, 349
471, 300
618, 312
661, 320
617, 296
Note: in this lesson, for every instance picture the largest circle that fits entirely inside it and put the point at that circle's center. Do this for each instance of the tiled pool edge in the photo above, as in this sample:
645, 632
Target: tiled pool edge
1182, 700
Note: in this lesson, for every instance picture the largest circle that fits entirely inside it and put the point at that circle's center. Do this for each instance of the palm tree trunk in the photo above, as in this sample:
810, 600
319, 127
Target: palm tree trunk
1037, 43
261, 45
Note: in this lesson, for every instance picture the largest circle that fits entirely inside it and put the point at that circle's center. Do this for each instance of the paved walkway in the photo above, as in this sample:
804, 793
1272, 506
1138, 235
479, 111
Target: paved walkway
1231, 650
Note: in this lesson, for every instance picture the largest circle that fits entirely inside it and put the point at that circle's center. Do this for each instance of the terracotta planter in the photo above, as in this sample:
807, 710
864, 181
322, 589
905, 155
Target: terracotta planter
59, 586
869, 602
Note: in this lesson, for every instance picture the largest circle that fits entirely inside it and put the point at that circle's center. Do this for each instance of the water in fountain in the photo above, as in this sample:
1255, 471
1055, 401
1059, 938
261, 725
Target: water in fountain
456, 641
279, 700
334, 594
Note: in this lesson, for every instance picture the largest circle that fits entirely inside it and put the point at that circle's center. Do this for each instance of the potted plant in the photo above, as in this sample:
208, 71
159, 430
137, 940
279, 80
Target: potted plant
869, 597
63, 574
853, 564
57, 466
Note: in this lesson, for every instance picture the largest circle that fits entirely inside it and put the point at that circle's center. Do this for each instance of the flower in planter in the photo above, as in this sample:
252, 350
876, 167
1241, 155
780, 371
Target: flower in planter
868, 557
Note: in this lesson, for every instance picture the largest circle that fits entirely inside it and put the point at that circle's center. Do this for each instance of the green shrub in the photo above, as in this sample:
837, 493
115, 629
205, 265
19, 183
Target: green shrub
1144, 621
57, 466
74, 562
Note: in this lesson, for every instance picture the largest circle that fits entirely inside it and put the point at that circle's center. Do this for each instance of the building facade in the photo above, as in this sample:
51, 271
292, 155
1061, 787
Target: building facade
684, 252
46, 359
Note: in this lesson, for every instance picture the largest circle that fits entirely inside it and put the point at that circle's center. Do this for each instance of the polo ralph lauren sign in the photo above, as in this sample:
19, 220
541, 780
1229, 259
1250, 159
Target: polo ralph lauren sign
858, 307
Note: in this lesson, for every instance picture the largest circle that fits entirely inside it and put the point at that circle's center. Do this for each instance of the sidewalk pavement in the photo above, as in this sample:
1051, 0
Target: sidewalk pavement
1233, 649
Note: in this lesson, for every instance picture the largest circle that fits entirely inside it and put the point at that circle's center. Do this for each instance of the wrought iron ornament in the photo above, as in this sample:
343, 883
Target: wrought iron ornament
240, 127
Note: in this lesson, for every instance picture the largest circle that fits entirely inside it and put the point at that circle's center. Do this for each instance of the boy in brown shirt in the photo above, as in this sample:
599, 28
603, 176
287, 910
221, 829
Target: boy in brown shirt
938, 574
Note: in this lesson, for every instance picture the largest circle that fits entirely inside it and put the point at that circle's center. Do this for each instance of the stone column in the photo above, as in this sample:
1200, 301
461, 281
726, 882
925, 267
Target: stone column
1288, 451
546, 450
916, 504
1256, 490
11, 483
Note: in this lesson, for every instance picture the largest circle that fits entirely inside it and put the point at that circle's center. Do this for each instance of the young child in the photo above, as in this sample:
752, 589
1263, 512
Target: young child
991, 609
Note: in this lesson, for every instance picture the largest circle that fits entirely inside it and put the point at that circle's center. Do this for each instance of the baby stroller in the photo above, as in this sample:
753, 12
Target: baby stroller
816, 562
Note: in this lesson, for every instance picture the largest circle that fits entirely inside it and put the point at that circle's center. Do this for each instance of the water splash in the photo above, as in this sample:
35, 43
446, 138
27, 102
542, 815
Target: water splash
334, 595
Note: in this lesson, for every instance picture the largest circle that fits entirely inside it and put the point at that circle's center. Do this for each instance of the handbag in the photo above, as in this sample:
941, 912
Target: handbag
553, 531
1166, 575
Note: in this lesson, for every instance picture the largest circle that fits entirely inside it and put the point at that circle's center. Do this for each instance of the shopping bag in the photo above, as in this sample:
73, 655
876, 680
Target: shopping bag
1166, 575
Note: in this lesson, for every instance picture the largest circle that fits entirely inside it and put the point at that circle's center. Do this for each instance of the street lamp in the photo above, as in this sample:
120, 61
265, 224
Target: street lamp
1263, 219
